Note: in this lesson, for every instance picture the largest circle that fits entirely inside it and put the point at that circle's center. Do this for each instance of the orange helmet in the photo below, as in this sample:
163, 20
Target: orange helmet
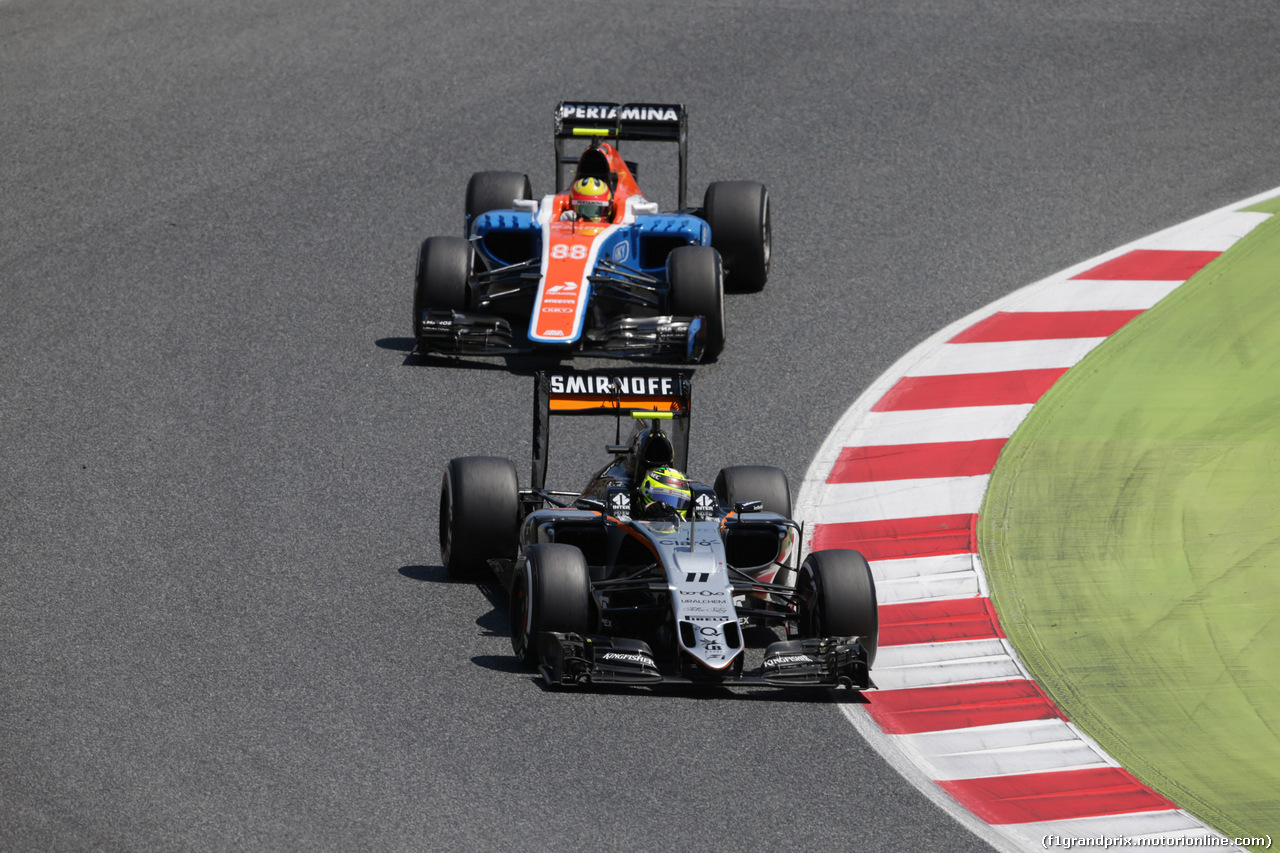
591, 199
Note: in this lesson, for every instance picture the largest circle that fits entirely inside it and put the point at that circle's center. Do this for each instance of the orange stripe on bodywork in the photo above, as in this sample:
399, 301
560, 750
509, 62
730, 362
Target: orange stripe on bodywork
563, 294
582, 402
639, 537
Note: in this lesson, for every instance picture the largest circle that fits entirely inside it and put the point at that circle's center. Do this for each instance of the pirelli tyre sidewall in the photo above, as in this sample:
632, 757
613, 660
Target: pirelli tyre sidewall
479, 514
838, 598
551, 593
441, 281
696, 276
494, 191
742, 231
755, 483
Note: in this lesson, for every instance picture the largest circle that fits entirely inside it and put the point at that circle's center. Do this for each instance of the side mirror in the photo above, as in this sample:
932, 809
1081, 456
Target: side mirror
591, 504
529, 205
748, 506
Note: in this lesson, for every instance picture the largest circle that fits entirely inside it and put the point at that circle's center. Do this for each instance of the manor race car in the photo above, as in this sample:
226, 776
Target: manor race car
645, 577
595, 268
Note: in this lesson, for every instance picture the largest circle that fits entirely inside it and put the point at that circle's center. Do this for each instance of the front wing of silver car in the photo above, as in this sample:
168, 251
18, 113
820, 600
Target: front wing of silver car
584, 660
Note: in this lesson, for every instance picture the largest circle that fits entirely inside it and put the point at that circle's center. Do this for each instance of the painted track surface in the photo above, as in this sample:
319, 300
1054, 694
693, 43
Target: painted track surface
902, 477
222, 619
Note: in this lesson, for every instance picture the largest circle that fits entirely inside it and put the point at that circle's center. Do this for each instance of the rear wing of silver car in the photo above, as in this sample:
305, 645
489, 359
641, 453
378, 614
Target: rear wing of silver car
667, 394
579, 120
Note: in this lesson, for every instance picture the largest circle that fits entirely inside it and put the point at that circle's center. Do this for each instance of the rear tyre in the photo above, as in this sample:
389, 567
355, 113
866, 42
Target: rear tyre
440, 284
494, 191
697, 289
479, 514
553, 593
838, 598
741, 230
755, 483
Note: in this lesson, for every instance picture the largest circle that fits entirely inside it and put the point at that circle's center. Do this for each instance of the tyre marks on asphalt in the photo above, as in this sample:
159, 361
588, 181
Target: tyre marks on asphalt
901, 478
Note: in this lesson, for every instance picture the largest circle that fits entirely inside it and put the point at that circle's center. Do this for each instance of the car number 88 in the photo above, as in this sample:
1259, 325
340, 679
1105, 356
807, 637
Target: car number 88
562, 251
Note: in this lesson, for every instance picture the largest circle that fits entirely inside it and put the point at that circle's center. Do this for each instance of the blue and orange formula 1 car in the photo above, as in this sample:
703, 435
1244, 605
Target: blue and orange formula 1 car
621, 280
645, 576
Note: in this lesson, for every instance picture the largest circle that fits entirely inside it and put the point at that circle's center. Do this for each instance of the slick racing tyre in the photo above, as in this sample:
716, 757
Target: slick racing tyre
697, 289
479, 514
738, 213
444, 268
755, 483
552, 593
838, 598
494, 191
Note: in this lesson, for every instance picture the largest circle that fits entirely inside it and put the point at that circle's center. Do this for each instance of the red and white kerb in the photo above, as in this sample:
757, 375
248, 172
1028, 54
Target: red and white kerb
901, 478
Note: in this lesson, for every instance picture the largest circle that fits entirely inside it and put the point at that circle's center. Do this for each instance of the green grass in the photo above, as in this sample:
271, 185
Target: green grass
1131, 533
1271, 205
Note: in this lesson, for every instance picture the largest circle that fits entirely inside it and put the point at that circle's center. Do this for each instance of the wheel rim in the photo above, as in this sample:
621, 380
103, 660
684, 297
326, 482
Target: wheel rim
521, 615
521, 627
721, 332
720, 299
446, 524
766, 235
812, 621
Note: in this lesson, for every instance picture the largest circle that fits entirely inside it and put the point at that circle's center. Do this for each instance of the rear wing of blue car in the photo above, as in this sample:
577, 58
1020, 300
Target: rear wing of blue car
667, 395
578, 120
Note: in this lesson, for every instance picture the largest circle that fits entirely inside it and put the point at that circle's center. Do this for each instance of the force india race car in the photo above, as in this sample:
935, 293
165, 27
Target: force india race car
603, 592
638, 283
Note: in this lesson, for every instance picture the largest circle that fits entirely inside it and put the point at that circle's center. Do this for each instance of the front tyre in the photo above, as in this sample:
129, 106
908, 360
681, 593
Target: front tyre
755, 483
479, 514
495, 191
741, 230
440, 284
697, 290
837, 597
552, 593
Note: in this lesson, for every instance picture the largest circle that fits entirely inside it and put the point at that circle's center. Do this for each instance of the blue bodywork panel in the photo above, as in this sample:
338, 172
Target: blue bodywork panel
513, 236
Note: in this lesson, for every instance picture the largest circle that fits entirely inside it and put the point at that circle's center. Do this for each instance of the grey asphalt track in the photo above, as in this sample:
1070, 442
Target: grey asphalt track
223, 624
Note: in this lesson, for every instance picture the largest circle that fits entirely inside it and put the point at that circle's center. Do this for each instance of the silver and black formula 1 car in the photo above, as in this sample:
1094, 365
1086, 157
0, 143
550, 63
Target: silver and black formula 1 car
635, 283
606, 591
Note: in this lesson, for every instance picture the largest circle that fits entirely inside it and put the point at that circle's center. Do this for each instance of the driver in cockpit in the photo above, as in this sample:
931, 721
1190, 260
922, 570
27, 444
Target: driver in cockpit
589, 201
664, 493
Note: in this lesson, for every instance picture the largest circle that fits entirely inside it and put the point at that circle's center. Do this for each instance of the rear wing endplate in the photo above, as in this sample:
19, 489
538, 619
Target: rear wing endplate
609, 392
619, 122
